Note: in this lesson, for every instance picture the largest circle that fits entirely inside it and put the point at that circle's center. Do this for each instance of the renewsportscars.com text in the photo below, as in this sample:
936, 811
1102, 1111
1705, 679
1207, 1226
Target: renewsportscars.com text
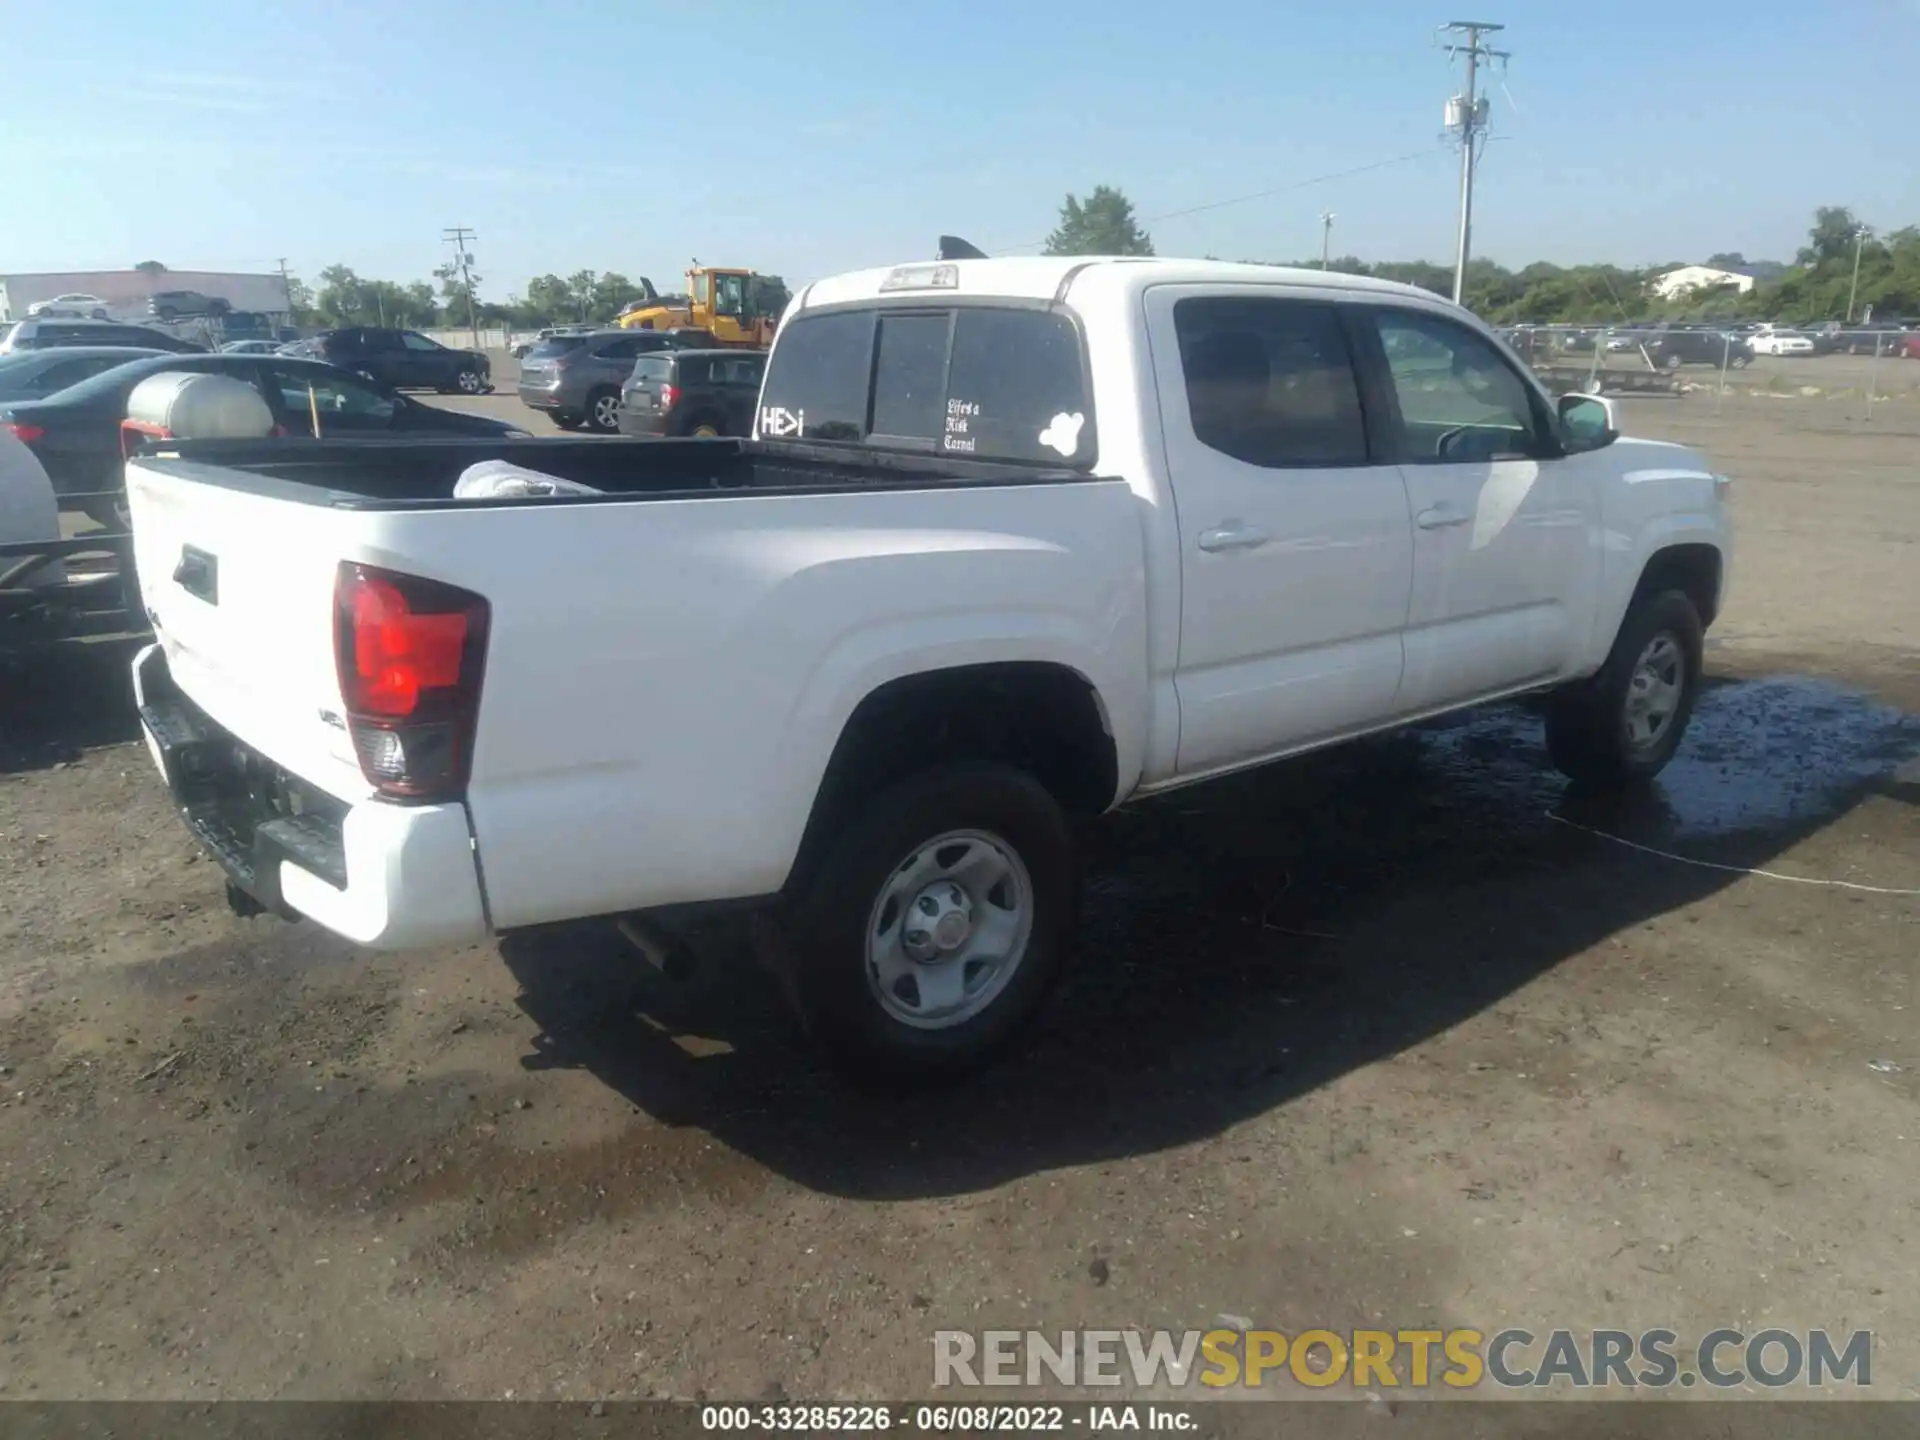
1383, 1359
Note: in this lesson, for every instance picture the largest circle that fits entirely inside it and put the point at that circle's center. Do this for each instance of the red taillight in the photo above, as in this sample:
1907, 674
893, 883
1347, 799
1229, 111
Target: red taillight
409, 653
23, 431
669, 396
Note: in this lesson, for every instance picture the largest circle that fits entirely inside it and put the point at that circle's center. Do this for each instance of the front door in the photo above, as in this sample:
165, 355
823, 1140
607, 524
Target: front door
1504, 521
1295, 549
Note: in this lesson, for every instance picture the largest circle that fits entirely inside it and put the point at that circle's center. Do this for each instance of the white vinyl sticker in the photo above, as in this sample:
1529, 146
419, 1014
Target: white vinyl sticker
1063, 433
780, 422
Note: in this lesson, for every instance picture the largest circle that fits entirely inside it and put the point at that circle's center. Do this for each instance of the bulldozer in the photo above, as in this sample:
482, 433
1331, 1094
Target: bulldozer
738, 308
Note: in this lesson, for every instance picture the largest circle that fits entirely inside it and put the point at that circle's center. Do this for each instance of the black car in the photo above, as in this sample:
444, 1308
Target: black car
692, 392
76, 433
403, 360
185, 305
36, 374
1670, 349
48, 334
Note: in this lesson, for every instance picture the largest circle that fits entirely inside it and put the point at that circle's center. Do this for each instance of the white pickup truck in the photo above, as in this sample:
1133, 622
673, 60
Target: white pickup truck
1015, 541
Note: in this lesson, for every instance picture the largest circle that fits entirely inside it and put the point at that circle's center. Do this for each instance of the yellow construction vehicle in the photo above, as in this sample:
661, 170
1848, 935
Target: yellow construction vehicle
735, 307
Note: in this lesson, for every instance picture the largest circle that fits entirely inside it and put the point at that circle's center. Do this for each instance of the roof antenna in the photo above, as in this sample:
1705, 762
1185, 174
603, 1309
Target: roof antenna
952, 247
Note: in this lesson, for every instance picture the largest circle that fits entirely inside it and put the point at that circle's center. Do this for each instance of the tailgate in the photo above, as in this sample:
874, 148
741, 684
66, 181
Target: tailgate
239, 588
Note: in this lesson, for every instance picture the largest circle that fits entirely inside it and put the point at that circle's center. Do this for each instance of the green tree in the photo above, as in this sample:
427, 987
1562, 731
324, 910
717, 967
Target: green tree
457, 291
1831, 237
1726, 260
548, 300
1103, 224
342, 298
580, 293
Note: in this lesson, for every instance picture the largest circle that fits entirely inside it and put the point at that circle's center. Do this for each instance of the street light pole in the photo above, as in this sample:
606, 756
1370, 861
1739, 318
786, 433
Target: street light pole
1859, 234
1326, 237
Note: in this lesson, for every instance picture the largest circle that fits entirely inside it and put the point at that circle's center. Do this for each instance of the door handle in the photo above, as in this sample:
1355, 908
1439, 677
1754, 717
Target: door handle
1439, 517
1232, 536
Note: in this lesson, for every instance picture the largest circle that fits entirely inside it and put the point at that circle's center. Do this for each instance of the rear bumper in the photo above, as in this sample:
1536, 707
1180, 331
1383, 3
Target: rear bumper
540, 399
646, 424
393, 877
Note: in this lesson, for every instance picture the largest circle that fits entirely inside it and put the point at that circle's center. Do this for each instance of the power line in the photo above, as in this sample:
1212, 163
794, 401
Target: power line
1467, 115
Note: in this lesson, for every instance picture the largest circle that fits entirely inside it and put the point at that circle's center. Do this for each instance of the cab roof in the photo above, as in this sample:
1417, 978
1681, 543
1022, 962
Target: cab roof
1041, 278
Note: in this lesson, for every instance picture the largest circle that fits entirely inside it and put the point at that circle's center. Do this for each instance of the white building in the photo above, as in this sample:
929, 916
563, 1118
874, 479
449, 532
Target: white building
1675, 283
126, 292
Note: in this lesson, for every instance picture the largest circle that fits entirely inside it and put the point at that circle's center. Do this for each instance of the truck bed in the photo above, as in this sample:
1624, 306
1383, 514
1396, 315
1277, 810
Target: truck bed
389, 474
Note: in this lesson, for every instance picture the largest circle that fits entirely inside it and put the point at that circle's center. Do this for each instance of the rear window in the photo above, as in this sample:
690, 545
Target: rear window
991, 383
653, 367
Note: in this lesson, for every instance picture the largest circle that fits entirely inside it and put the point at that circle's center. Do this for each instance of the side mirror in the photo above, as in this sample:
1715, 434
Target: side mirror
1589, 422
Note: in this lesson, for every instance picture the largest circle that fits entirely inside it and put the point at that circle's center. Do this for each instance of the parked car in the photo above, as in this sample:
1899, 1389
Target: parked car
1670, 349
1875, 339
403, 360
70, 307
35, 374
1014, 541
1781, 342
520, 348
576, 379
76, 433
185, 305
60, 334
1910, 345
251, 347
692, 392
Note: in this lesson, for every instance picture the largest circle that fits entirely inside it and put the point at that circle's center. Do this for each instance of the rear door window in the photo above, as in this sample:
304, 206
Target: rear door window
993, 383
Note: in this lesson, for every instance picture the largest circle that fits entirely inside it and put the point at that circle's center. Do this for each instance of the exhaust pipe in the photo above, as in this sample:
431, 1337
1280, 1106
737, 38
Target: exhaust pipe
666, 953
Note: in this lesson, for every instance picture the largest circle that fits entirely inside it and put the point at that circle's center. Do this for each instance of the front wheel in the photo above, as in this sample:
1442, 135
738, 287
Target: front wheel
925, 942
603, 412
468, 382
1624, 723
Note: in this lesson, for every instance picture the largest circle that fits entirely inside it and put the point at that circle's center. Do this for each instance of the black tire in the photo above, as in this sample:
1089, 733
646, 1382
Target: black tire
825, 925
564, 421
705, 427
604, 419
470, 382
1588, 729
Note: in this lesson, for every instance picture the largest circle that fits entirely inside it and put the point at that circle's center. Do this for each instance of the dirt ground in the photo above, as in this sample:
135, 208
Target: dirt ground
1373, 1039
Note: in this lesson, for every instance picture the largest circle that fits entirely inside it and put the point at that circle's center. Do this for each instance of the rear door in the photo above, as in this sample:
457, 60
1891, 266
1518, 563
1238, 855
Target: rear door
1296, 551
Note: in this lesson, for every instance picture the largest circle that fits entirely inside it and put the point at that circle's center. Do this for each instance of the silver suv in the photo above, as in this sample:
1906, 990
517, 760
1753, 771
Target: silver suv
576, 379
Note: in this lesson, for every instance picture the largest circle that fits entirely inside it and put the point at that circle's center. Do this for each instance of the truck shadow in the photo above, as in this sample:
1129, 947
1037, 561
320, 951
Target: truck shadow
1242, 943
57, 701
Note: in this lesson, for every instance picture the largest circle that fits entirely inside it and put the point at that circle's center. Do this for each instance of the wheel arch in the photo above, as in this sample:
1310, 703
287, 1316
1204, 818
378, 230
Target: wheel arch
1040, 716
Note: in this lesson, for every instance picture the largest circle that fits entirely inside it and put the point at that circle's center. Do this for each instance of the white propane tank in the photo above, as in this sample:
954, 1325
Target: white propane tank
180, 405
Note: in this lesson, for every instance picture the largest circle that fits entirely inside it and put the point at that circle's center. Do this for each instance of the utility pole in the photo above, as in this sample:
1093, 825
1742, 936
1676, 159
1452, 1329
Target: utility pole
1853, 290
286, 288
1470, 123
459, 235
1326, 237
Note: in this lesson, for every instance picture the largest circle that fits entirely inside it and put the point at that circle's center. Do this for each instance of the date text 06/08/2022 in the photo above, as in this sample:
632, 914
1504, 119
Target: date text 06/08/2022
942, 1419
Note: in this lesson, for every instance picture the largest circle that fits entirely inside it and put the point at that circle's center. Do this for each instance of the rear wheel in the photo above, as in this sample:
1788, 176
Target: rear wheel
603, 411
563, 421
926, 941
705, 430
1624, 723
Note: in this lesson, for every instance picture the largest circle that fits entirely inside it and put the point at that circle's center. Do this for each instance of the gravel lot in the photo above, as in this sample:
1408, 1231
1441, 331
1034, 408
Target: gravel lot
1368, 1039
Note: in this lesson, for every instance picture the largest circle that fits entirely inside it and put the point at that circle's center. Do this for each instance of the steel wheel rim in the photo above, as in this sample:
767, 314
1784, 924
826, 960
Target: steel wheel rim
1654, 691
949, 929
469, 382
606, 412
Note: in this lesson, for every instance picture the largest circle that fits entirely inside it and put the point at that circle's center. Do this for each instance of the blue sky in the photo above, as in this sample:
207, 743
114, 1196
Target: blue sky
804, 138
